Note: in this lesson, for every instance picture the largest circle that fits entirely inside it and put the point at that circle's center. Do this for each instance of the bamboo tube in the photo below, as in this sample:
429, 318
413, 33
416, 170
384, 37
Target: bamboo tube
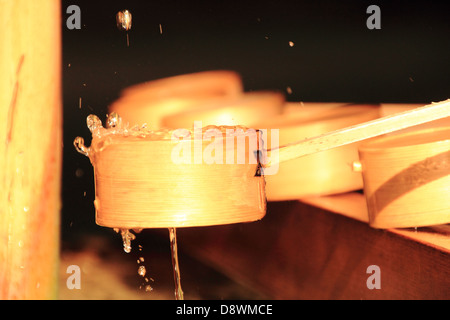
151, 101
407, 178
30, 148
148, 181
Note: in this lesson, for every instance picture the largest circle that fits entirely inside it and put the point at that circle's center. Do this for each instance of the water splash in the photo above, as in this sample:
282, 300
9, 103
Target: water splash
127, 237
124, 20
80, 147
116, 129
93, 123
113, 120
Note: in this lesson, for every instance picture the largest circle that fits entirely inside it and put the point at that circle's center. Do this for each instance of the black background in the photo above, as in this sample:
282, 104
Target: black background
335, 57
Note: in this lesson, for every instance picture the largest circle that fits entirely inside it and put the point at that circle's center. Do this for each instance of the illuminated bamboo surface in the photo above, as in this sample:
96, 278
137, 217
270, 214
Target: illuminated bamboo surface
150, 102
30, 148
247, 109
307, 109
140, 185
407, 178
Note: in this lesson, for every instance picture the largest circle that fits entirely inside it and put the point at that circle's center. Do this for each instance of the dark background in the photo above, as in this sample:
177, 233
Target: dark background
335, 58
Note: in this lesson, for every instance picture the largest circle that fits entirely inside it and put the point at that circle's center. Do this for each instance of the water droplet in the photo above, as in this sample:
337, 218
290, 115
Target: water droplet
127, 237
142, 271
124, 20
148, 288
113, 120
93, 122
289, 90
79, 145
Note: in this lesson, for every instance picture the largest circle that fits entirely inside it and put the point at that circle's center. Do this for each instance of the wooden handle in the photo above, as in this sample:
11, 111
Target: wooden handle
370, 129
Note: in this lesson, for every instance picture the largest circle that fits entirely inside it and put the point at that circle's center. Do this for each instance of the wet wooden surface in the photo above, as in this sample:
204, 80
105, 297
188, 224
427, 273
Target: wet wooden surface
299, 251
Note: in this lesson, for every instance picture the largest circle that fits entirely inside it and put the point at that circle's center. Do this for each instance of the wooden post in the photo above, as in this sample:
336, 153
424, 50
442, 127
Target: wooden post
30, 148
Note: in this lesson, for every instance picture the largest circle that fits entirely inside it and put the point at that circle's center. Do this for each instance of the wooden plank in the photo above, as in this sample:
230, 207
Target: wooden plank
299, 251
353, 205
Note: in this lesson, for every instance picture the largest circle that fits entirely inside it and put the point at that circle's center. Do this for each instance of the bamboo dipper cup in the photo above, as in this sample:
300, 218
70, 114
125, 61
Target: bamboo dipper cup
140, 185
407, 178
153, 100
30, 148
149, 179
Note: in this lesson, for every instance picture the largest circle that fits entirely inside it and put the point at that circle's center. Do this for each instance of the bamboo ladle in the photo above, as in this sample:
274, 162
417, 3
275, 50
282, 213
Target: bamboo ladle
139, 186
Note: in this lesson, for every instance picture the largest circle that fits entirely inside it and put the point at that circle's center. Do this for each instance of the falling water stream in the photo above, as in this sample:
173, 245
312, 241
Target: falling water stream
128, 236
176, 267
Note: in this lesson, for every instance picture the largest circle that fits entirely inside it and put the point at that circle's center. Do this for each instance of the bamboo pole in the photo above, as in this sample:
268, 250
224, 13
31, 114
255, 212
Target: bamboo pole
363, 131
30, 148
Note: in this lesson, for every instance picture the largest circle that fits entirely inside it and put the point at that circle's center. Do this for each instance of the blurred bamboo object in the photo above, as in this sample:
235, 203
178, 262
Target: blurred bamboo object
151, 101
30, 148
247, 109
